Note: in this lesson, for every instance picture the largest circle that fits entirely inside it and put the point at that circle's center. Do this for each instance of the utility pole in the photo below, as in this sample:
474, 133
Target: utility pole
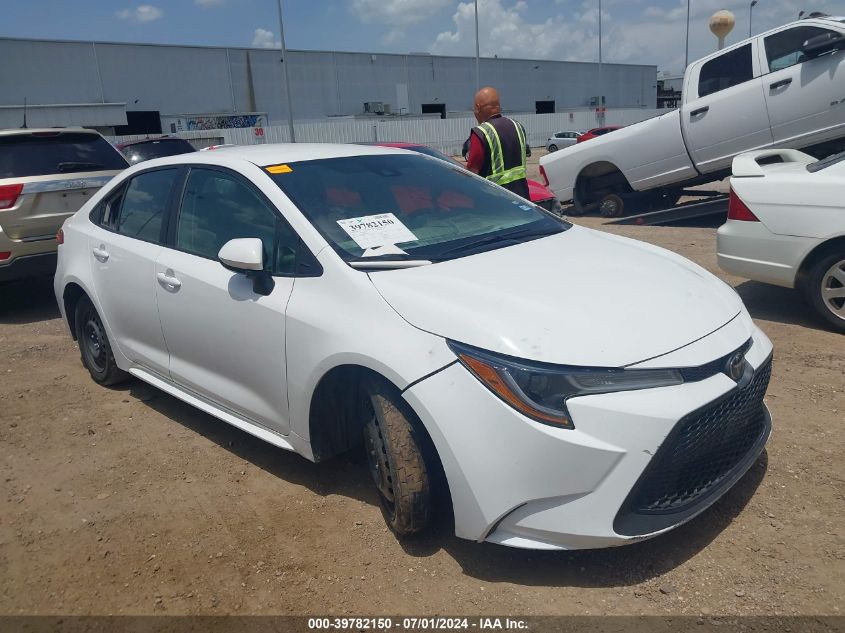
601, 94
686, 54
477, 55
287, 78
750, 15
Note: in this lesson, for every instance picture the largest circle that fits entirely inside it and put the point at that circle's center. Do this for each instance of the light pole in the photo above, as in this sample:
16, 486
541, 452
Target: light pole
750, 15
601, 96
477, 71
285, 69
686, 53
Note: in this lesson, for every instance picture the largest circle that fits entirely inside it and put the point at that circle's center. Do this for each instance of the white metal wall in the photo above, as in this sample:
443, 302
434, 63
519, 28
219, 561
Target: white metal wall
446, 135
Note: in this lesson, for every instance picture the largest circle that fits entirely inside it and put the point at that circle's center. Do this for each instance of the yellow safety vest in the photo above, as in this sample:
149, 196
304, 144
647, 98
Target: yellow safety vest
499, 174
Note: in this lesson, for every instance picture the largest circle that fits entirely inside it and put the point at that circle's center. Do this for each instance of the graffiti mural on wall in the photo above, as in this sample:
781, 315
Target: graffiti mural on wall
189, 123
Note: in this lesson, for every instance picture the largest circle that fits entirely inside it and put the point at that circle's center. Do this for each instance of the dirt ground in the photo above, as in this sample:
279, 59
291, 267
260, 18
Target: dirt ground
127, 501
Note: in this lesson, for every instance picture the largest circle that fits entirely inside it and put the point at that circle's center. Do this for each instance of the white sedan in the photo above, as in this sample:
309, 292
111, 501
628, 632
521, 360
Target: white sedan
328, 297
786, 226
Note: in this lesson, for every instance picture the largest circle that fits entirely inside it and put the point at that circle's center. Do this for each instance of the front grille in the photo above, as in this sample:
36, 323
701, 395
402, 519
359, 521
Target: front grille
694, 374
703, 450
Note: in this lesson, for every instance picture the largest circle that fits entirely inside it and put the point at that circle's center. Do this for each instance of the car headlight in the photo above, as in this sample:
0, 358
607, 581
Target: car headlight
540, 390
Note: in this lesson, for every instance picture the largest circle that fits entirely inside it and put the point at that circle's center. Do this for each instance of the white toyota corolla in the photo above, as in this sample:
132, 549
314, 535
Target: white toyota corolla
562, 387
786, 226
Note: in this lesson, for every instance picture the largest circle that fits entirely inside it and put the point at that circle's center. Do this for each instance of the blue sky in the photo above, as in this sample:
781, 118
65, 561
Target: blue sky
635, 31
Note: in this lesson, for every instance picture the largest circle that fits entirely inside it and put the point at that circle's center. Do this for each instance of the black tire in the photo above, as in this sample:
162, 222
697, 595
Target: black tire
826, 275
94, 345
395, 458
611, 206
552, 148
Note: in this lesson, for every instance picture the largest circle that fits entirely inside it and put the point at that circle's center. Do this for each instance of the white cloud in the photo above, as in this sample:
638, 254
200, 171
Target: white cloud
141, 13
265, 39
654, 35
208, 4
504, 31
397, 13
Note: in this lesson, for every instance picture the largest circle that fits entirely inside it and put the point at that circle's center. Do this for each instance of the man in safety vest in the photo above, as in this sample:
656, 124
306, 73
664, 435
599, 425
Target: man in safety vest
497, 145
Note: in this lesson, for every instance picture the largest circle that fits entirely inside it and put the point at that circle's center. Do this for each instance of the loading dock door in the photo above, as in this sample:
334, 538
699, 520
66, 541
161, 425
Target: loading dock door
434, 108
545, 107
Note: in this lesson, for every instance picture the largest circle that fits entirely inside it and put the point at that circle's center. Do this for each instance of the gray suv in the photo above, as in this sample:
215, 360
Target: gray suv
46, 175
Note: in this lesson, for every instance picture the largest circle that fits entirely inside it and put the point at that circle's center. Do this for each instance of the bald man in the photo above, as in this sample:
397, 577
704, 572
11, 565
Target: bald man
497, 145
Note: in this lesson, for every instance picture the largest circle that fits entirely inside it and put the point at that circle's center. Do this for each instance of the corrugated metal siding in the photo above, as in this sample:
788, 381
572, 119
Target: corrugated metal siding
182, 79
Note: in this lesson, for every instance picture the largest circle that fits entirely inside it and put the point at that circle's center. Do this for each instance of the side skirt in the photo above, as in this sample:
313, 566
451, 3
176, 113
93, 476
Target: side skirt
250, 427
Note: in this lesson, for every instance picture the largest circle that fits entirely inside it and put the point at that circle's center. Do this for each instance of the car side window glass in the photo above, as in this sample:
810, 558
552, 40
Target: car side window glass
144, 205
726, 70
216, 208
784, 49
111, 207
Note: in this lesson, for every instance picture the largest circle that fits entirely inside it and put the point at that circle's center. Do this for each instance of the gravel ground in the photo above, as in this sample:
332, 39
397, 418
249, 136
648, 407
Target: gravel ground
127, 501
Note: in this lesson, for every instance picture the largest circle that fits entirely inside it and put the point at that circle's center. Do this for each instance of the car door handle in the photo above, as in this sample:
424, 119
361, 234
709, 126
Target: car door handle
781, 83
699, 112
100, 254
170, 282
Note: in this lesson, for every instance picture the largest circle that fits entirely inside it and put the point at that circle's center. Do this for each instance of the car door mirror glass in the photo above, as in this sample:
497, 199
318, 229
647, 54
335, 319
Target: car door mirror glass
244, 254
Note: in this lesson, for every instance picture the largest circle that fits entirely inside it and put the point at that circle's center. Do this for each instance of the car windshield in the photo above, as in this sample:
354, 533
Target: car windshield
42, 153
138, 152
367, 206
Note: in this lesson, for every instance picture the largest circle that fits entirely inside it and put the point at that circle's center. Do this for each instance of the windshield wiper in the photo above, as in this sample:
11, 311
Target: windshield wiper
387, 264
504, 239
72, 166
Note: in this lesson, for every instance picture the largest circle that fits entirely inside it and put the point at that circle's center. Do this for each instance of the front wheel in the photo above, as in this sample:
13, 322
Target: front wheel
825, 289
552, 148
94, 345
395, 458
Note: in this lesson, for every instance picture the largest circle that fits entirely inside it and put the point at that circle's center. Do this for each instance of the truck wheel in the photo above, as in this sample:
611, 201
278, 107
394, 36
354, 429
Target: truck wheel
825, 289
395, 459
552, 148
611, 206
94, 345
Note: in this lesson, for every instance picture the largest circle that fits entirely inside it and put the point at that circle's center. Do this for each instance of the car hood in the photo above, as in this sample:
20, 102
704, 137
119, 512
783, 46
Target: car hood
580, 297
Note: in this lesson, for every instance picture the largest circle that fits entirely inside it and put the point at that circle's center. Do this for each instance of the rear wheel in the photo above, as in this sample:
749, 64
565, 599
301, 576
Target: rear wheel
611, 206
825, 289
94, 345
395, 458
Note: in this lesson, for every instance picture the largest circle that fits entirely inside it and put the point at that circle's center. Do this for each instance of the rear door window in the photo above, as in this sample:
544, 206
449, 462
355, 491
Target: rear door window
145, 203
43, 153
726, 70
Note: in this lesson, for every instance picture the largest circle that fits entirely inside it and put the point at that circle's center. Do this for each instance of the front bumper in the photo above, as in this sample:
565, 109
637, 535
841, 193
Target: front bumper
750, 250
520, 483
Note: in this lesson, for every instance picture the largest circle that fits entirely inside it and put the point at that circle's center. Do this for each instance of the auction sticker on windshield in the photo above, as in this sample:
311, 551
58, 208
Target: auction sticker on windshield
377, 230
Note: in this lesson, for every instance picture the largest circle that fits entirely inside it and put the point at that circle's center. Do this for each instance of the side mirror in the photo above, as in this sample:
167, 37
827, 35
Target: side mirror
821, 44
242, 255
246, 255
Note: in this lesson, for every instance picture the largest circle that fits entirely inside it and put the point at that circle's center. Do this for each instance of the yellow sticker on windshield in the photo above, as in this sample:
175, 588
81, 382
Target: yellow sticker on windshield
278, 169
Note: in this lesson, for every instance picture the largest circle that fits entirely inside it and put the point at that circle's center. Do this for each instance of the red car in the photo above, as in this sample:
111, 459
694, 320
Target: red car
541, 195
597, 131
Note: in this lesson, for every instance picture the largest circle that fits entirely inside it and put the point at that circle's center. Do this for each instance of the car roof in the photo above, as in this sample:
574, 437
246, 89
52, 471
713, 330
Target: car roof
47, 130
272, 154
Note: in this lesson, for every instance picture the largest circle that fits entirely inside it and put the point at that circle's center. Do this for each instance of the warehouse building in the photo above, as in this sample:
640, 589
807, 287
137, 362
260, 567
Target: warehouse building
143, 88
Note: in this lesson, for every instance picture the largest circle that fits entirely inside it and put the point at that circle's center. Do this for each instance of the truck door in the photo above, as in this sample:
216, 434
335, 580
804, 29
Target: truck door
724, 113
805, 95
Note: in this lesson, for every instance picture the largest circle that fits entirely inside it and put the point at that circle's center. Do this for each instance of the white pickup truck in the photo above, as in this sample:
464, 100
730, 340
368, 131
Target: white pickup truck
783, 88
